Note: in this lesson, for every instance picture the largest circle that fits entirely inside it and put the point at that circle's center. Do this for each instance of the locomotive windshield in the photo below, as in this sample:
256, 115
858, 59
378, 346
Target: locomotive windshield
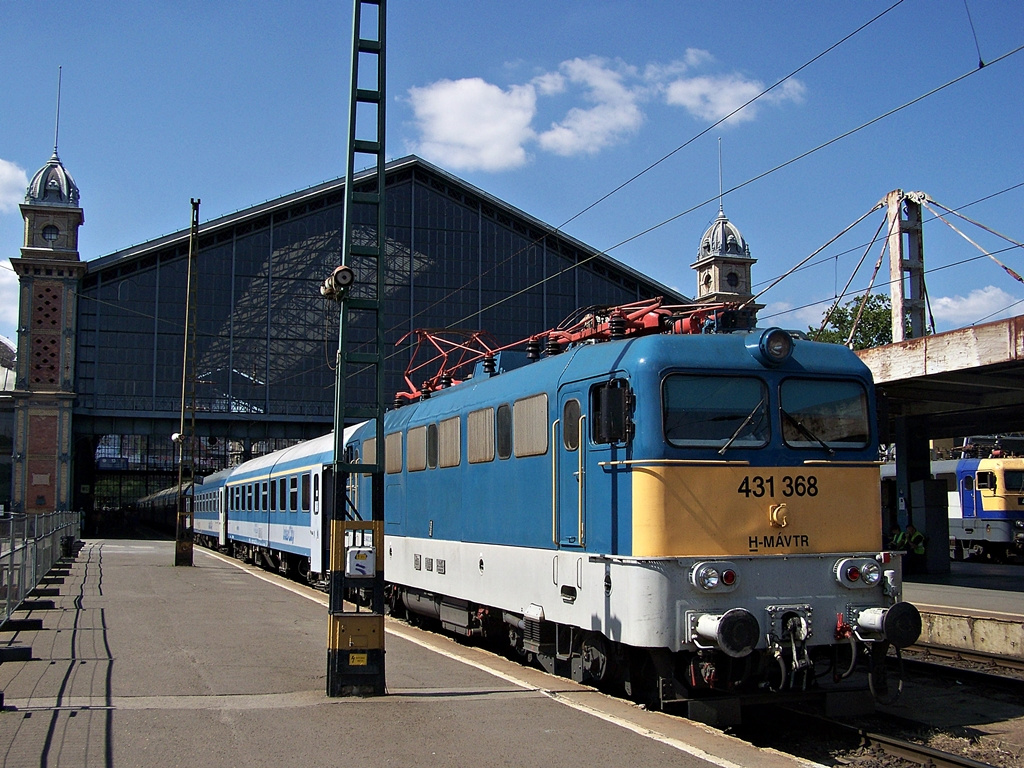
829, 414
715, 411
1014, 479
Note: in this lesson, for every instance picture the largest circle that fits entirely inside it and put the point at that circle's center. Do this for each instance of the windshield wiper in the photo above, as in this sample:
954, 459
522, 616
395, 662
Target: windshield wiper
740, 428
806, 432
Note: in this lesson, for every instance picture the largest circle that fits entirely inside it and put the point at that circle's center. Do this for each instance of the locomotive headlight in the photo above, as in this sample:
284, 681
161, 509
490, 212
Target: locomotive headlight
857, 572
870, 573
773, 347
721, 577
708, 578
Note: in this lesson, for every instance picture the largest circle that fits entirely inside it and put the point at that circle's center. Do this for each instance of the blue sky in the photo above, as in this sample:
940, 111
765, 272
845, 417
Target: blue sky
550, 106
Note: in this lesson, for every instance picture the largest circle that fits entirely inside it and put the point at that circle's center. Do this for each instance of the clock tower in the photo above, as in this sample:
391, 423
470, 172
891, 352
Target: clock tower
49, 271
723, 265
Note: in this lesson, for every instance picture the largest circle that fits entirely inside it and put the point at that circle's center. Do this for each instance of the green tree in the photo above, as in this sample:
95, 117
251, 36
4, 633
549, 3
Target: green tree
873, 329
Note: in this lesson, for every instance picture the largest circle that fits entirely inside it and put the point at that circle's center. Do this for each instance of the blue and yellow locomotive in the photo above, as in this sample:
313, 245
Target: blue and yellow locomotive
649, 503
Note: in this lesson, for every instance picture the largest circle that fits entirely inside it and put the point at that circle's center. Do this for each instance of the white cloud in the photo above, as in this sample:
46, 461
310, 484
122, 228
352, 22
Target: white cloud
13, 183
470, 124
715, 96
988, 303
8, 300
615, 114
712, 98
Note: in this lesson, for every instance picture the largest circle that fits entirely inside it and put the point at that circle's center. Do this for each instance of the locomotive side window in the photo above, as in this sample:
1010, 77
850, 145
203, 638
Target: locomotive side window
393, 453
530, 426
504, 429
571, 425
369, 453
480, 436
610, 407
432, 446
715, 411
450, 442
817, 413
416, 449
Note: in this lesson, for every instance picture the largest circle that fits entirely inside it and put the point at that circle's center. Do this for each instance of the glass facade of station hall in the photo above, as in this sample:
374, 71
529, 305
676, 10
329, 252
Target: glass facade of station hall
266, 338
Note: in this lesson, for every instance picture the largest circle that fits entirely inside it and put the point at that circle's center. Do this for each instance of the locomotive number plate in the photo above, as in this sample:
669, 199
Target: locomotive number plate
778, 486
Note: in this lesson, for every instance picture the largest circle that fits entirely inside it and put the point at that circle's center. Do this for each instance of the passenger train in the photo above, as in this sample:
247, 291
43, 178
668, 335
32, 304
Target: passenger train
985, 505
658, 499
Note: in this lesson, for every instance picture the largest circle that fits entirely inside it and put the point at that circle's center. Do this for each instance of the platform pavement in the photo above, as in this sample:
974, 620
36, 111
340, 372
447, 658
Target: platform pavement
141, 663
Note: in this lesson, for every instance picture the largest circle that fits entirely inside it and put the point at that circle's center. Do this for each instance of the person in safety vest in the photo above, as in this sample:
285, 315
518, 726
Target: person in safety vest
897, 539
915, 548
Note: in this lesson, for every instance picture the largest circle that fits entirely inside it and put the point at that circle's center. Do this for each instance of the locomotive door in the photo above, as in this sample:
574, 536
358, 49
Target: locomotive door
569, 438
968, 495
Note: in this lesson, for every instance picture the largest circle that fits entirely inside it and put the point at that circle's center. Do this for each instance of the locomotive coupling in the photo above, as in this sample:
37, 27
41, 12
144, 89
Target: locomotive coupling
899, 624
734, 632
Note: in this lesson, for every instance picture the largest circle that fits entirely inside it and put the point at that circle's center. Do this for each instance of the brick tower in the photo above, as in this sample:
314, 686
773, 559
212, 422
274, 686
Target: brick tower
49, 272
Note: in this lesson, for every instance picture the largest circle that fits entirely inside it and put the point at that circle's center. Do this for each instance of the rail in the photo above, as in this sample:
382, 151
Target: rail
30, 545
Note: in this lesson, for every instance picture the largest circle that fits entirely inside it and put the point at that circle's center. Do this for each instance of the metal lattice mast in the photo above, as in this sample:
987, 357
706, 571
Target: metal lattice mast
183, 529
355, 638
906, 263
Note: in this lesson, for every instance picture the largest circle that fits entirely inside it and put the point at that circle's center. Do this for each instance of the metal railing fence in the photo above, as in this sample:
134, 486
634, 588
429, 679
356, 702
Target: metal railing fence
30, 545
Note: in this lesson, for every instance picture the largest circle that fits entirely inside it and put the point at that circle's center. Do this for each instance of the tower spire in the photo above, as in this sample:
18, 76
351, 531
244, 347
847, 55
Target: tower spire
56, 128
720, 209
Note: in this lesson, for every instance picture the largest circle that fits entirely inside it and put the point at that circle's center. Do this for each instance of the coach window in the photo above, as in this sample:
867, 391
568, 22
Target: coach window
450, 442
480, 436
571, 425
715, 411
264, 505
273, 496
293, 493
530, 426
393, 453
504, 429
282, 494
416, 449
305, 491
432, 446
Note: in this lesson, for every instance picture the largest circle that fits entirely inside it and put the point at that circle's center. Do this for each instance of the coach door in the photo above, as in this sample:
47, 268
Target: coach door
222, 516
316, 526
570, 470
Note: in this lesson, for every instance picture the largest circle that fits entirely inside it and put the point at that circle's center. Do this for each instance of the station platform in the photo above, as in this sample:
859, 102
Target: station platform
136, 662
975, 608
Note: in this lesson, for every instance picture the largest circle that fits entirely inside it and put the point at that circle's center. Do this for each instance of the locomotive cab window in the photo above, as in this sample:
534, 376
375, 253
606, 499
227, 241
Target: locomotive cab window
987, 480
1013, 480
393, 453
824, 414
715, 411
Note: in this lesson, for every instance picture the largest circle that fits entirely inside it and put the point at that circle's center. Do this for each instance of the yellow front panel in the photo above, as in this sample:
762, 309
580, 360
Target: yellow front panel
733, 511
